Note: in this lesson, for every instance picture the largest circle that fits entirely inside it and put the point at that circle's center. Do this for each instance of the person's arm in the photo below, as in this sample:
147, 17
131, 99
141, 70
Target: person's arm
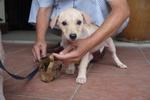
119, 13
42, 23
39, 48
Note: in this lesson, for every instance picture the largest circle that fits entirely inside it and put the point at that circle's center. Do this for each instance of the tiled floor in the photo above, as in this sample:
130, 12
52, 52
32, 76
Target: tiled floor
105, 81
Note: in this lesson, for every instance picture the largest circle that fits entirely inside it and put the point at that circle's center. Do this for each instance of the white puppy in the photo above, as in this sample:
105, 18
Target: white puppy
76, 25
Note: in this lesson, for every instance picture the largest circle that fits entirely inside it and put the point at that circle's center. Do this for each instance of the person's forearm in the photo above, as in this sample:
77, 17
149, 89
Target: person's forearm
110, 25
42, 23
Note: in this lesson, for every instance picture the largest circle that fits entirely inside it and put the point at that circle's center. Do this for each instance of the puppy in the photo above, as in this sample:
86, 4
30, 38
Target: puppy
76, 25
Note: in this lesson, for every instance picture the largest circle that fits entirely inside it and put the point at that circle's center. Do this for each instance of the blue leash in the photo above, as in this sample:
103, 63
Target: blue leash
28, 77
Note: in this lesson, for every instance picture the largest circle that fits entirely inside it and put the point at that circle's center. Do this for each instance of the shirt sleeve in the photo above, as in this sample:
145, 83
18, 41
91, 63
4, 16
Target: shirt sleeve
36, 4
45, 3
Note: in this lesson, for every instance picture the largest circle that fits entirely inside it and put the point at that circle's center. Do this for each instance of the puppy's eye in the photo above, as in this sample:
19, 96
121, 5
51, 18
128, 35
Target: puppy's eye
79, 22
64, 23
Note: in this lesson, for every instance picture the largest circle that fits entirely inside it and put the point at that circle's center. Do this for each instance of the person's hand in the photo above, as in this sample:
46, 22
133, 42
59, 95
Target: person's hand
39, 49
81, 47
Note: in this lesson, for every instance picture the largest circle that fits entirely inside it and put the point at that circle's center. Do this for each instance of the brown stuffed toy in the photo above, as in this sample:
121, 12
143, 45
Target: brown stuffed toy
49, 68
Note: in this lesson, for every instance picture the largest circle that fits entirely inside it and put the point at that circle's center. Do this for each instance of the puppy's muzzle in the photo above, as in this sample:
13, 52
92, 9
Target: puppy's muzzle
73, 36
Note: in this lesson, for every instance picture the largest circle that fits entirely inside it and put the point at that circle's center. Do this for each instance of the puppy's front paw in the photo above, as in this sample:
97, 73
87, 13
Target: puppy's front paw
123, 66
81, 80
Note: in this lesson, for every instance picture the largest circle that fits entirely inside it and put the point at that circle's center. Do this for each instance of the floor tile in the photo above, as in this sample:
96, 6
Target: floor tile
105, 80
12, 48
137, 65
106, 87
22, 97
146, 52
60, 89
18, 62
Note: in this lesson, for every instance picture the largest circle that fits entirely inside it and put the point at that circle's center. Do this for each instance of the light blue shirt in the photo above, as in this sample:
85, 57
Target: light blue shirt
98, 10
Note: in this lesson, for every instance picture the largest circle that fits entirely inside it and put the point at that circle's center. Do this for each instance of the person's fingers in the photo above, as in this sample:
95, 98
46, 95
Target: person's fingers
66, 50
63, 52
34, 55
75, 43
70, 55
37, 53
74, 60
43, 51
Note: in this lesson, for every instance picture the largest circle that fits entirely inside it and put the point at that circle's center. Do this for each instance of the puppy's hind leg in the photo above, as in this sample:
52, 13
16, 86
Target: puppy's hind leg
112, 49
70, 69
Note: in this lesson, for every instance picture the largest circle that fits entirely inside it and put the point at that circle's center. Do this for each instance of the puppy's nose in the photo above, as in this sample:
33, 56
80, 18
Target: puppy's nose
73, 36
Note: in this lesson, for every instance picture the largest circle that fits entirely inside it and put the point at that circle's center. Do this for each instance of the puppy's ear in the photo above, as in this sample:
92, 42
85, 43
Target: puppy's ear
53, 22
86, 18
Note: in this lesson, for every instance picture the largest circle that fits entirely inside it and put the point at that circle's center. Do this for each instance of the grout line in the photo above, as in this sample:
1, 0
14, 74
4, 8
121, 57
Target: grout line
20, 50
142, 52
75, 92
79, 85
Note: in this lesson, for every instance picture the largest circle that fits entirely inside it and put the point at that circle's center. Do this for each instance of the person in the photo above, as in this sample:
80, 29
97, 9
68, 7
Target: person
110, 15
2, 58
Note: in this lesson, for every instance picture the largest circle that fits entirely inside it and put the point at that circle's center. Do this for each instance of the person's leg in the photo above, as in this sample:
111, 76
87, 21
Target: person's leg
105, 7
1, 75
1, 88
122, 27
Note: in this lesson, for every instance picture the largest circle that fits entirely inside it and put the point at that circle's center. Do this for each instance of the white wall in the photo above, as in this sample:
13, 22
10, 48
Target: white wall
2, 10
